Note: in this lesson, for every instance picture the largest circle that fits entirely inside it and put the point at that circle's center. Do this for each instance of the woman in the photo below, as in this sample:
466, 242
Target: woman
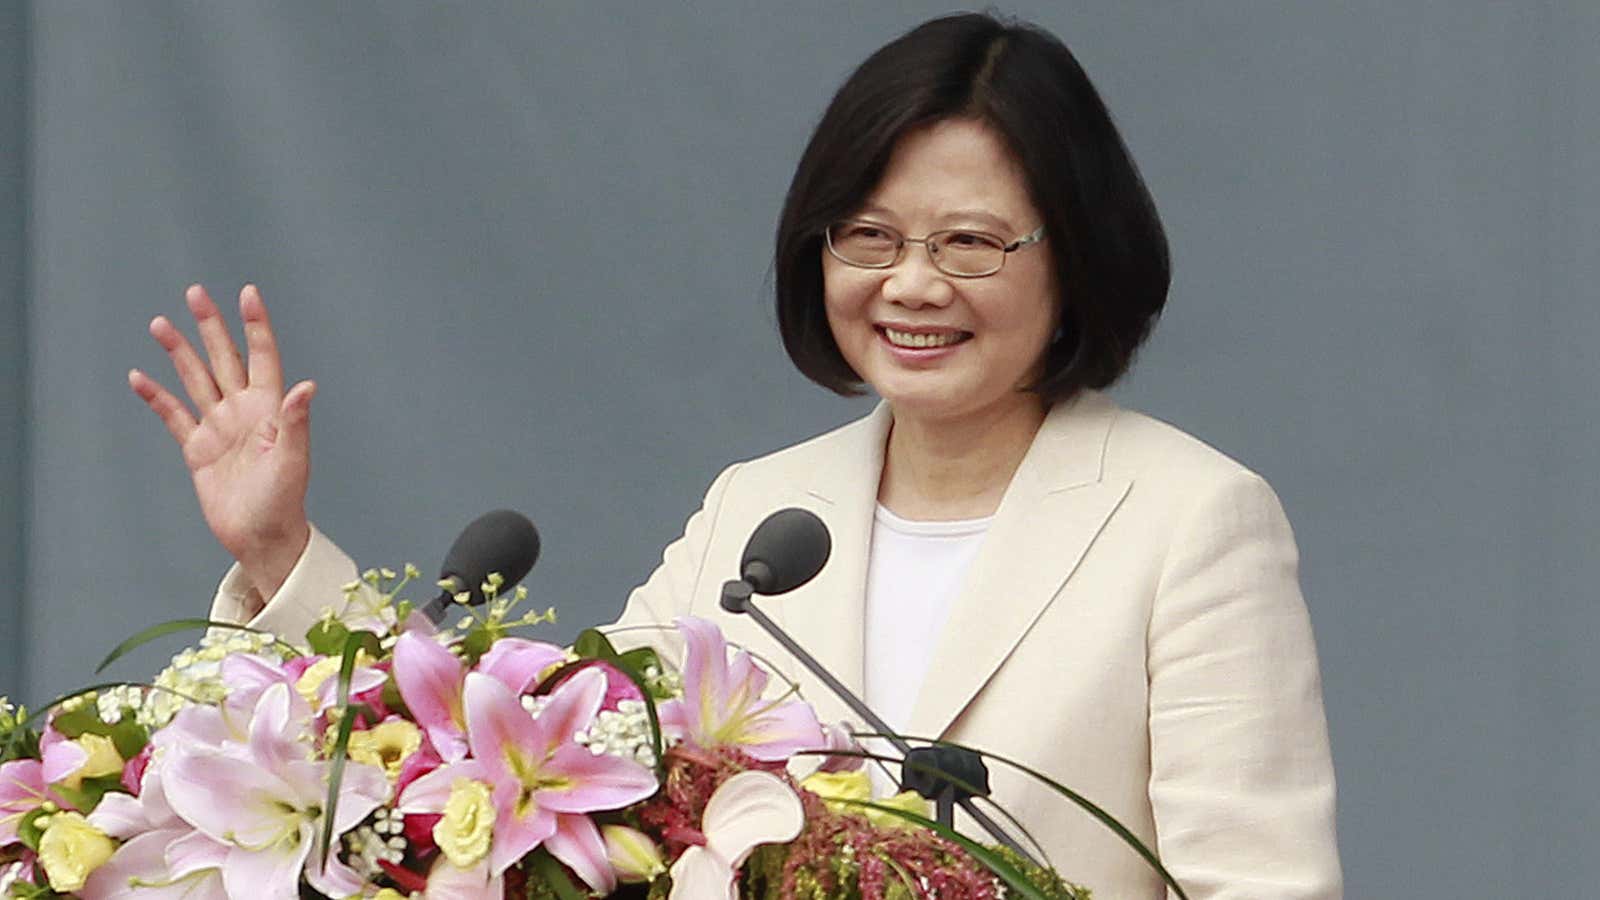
1018, 563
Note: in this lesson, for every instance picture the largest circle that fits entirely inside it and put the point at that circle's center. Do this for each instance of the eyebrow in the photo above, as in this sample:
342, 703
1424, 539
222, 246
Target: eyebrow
955, 215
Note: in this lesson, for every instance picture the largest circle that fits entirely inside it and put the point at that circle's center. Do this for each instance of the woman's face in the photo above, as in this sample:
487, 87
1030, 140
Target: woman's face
938, 346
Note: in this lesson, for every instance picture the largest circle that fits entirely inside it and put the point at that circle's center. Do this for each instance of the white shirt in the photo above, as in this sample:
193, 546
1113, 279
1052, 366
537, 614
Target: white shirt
914, 571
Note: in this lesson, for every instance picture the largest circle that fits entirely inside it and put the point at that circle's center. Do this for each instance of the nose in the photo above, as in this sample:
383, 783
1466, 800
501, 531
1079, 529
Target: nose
914, 282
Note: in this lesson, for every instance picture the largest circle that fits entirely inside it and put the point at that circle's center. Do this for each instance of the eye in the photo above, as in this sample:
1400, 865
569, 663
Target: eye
865, 232
970, 240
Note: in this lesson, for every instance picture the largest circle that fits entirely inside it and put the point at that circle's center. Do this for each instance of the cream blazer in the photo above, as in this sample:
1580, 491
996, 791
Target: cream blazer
1132, 626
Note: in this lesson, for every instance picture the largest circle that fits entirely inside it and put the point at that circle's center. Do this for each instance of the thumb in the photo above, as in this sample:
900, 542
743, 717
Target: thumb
294, 420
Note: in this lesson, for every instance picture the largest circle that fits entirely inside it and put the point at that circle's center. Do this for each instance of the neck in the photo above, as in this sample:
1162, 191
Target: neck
941, 469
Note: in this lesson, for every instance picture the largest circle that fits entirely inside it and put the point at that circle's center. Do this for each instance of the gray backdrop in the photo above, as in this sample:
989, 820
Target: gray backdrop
525, 248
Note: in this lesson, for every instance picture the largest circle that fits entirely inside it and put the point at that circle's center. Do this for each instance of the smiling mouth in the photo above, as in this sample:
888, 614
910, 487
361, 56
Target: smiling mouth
922, 340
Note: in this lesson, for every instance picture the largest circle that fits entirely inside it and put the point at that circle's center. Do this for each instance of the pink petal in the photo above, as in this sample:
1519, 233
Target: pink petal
447, 882
221, 796
782, 731
578, 844
268, 874
191, 852
516, 662
362, 679
513, 836
195, 726
120, 816
572, 708
61, 757
746, 679
674, 716
143, 858
597, 782
430, 678
280, 717
334, 879
499, 729
705, 671
431, 792
21, 792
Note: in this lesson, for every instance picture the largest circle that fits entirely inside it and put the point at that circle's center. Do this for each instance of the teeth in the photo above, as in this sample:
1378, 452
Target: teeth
921, 339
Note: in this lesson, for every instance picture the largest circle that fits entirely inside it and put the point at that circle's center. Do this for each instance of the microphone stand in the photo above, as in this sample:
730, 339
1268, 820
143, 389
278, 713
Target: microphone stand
736, 598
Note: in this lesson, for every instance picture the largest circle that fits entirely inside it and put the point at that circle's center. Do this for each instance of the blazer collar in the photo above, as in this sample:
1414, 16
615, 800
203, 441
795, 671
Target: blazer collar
1056, 504
828, 616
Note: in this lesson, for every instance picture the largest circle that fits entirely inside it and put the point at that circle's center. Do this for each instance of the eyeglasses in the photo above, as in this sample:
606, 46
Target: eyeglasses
957, 251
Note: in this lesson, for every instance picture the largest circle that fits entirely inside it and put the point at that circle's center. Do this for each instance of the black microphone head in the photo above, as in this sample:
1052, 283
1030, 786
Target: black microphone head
787, 550
502, 541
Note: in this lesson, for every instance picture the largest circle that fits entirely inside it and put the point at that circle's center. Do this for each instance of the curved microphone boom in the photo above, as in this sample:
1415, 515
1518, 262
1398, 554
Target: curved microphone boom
503, 541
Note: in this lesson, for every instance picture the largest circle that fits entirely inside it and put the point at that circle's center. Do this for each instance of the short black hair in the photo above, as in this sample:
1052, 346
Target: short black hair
1105, 240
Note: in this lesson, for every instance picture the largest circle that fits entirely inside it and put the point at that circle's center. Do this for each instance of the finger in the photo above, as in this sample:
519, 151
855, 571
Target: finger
173, 414
192, 372
294, 420
226, 367
266, 370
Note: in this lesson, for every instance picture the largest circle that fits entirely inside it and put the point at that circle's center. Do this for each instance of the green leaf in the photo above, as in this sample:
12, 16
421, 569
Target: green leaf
341, 745
326, 638
163, 629
129, 736
392, 699
551, 873
78, 722
591, 644
86, 796
28, 830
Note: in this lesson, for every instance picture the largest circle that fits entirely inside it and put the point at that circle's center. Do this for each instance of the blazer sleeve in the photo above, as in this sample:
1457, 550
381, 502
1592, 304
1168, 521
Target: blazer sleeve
1241, 776
669, 591
316, 582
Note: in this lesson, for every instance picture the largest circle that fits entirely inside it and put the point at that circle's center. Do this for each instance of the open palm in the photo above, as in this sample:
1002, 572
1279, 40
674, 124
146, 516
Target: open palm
245, 442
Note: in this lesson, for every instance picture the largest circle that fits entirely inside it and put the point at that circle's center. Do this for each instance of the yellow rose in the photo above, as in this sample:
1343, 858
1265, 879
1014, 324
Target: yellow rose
910, 801
386, 746
468, 824
833, 787
70, 849
388, 894
103, 759
310, 683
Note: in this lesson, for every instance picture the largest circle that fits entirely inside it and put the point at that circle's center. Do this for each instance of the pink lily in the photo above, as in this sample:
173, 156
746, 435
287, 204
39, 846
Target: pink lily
164, 857
21, 792
263, 799
431, 680
722, 706
542, 781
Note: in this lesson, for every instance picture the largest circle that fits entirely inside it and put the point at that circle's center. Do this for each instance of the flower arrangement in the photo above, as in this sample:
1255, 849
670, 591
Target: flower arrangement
388, 758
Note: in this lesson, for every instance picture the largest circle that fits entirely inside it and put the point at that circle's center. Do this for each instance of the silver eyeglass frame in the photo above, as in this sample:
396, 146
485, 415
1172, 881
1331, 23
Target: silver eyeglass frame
1032, 237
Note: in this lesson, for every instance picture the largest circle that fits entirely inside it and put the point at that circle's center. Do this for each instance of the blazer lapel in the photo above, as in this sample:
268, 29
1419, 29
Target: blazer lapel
1056, 505
828, 615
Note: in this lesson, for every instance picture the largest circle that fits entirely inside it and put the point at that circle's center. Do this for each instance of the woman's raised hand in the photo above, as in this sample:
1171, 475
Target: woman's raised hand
249, 448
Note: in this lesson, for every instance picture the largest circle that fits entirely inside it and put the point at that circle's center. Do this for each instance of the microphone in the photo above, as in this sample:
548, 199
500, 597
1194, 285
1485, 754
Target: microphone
787, 550
502, 541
